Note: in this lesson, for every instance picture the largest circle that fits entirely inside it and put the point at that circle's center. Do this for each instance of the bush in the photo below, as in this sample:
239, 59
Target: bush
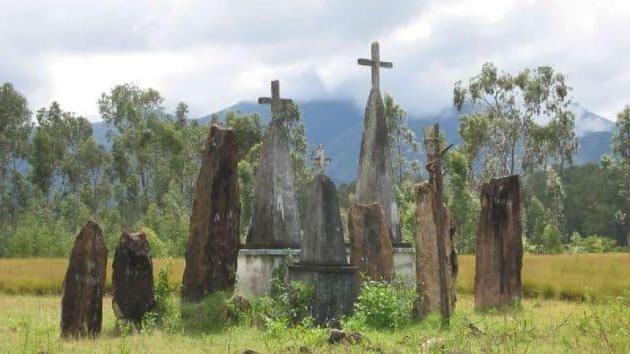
384, 305
591, 244
165, 314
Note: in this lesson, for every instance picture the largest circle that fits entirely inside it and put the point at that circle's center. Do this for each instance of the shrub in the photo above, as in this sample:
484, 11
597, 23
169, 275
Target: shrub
384, 305
165, 314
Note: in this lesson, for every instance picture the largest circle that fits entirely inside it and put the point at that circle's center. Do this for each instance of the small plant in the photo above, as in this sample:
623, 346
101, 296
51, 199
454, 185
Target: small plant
384, 305
164, 313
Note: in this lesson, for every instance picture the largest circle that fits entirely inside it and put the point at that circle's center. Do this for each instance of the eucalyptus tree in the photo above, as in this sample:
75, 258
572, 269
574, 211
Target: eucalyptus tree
621, 153
402, 141
507, 111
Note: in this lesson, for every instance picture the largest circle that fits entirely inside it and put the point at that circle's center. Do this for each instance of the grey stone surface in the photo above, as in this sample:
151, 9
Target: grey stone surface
374, 178
213, 241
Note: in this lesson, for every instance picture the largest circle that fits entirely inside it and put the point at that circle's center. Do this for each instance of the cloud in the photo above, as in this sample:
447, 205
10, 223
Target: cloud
213, 54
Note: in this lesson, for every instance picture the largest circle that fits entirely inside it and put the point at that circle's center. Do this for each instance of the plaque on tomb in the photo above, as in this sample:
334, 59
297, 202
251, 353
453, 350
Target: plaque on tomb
374, 179
499, 255
132, 278
371, 248
213, 240
275, 219
84, 284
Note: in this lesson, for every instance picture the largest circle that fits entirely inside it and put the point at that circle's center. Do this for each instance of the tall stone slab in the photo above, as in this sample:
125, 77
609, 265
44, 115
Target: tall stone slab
374, 178
428, 262
499, 255
275, 215
213, 241
371, 248
323, 264
84, 284
132, 278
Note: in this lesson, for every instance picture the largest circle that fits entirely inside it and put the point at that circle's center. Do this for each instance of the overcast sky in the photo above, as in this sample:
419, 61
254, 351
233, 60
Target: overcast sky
212, 54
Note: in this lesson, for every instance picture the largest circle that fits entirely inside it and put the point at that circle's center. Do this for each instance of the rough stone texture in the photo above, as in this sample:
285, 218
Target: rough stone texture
213, 241
132, 278
323, 232
371, 248
427, 261
84, 283
275, 216
374, 179
499, 254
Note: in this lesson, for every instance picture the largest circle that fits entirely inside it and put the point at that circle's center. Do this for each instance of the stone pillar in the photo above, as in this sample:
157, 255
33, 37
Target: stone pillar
132, 278
371, 247
499, 254
213, 241
275, 215
84, 284
428, 262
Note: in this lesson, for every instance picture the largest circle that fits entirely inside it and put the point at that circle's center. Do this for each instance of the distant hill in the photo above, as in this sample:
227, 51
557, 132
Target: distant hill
338, 126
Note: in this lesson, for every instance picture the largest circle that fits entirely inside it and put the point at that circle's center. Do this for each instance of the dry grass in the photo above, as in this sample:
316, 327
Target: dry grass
554, 276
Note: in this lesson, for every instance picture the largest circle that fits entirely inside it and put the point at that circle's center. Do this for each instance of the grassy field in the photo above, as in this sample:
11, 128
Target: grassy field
553, 277
30, 324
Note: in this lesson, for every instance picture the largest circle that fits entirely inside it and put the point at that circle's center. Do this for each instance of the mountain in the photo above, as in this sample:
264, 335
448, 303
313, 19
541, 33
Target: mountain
338, 126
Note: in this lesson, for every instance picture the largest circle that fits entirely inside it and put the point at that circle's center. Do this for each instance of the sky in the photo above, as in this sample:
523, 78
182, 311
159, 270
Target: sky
212, 54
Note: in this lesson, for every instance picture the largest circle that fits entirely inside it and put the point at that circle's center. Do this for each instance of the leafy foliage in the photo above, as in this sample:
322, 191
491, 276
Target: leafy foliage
384, 305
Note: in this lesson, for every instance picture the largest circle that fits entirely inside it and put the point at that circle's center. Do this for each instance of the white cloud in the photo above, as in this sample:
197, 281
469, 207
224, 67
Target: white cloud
212, 54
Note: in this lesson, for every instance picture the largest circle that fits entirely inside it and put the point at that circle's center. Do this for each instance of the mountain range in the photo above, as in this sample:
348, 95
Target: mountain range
338, 126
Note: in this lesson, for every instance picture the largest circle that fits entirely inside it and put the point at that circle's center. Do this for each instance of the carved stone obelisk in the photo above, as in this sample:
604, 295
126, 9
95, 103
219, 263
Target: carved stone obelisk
213, 241
84, 284
499, 255
275, 215
374, 179
323, 263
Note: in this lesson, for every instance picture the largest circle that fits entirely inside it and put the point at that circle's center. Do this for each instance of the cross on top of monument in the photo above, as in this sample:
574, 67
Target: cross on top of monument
321, 159
376, 64
275, 101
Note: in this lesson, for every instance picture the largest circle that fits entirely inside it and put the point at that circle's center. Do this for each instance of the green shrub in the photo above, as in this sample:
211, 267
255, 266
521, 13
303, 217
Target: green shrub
384, 305
211, 314
165, 314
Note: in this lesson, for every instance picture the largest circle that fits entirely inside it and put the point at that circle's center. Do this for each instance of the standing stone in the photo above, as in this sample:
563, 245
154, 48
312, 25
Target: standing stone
84, 283
371, 248
213, 241
275, 215
132, 278
427, 261
323, 264
374, 179
499, 254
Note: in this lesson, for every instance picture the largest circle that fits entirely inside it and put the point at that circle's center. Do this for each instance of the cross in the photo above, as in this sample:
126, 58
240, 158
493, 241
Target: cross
376, 64
275, 101
321, 160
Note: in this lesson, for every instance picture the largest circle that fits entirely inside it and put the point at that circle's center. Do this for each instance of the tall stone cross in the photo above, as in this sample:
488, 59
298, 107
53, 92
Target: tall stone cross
321, 160
275, 101
376, 64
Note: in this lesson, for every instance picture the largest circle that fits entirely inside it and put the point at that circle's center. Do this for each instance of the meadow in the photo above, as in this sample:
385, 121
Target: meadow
566, 276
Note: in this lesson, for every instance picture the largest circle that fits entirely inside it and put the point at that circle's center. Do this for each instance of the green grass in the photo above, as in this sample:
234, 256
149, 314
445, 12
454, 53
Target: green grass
555, 276
30, 324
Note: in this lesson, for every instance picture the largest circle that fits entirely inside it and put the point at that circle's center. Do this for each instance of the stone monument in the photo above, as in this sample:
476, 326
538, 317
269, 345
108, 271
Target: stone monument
499, 255
132, 278
374, 179
213, 241
323, 263
275, 216
84, 284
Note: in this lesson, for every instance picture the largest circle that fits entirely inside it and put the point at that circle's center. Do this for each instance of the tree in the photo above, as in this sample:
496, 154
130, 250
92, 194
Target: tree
403, 141
621, 153
181, 113
506, 108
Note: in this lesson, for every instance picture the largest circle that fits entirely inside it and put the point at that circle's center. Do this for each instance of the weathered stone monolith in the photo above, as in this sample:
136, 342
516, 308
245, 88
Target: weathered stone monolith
371, 248
84, 284
275, 219
427, 260
132, 278
499, 253
323, 263
374, 178
213, 241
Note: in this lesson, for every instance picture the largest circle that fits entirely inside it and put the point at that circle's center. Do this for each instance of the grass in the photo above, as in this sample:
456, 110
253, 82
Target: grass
571, 277
30, 324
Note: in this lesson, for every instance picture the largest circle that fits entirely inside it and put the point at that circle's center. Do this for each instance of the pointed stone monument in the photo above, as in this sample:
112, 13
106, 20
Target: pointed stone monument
84, 284
275, 216
374, 179
499, 255
132, 278
436, 261
323, 263
213, 241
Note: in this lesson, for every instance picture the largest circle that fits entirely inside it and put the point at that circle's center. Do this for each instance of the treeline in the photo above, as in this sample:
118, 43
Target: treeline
54, 176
